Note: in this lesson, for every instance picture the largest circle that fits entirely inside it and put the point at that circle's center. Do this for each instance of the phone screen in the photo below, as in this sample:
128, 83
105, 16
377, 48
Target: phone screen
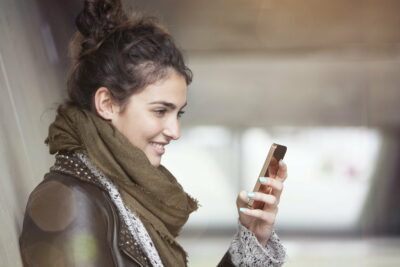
269, 169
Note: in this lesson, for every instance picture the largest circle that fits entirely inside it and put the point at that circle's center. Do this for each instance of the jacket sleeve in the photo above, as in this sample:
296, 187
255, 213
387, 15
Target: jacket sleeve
245, 250
64, 225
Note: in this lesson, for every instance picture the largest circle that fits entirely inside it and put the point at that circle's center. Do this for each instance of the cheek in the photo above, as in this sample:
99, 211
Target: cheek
143, 130
139, 127
151, 128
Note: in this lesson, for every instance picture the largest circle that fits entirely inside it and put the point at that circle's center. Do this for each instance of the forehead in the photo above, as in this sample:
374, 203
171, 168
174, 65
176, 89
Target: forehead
171, 89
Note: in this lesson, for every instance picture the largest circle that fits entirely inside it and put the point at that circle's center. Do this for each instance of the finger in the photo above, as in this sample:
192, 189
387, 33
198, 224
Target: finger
273, 167
270, 200
267, 216
275, 184
282, 171
241, 200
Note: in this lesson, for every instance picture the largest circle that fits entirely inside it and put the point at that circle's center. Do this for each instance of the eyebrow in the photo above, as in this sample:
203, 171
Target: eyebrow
167, 104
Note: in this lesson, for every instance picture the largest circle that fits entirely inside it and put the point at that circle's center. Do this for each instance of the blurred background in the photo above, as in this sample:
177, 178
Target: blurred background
321, 77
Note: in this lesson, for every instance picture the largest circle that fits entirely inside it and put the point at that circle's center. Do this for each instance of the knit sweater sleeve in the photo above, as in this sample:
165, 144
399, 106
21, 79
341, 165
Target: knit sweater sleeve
245, 250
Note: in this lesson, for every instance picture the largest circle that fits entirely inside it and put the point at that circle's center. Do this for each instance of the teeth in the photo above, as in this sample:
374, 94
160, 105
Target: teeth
157, 145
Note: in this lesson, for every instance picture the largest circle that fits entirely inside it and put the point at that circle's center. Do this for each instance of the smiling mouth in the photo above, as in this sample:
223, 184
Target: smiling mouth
159, 148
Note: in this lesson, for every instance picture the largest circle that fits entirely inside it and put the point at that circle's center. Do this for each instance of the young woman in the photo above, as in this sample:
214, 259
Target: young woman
107, 201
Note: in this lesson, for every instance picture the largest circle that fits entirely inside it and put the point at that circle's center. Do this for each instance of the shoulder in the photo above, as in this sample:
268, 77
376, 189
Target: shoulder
71, 218
61, 200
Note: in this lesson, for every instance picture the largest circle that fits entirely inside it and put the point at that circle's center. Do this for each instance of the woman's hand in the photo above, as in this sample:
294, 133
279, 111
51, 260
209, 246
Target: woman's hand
261, 221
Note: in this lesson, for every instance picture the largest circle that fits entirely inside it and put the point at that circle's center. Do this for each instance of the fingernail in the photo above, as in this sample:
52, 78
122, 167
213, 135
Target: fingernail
282, 162
251, 195
263, 180
243, 209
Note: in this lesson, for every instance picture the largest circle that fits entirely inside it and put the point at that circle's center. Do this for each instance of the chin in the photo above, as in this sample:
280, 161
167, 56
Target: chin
155, 162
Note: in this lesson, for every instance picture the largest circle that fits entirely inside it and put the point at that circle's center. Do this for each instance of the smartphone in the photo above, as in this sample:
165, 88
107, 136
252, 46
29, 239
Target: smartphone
269, 169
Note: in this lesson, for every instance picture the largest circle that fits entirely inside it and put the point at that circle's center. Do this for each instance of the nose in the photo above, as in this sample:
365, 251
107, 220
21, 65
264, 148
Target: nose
172, 129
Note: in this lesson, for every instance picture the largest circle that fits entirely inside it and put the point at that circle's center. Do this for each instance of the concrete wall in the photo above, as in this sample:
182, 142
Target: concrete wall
29, 89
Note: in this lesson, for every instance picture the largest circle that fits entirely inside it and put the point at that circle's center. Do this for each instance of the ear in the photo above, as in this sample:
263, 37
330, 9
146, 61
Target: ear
104, 104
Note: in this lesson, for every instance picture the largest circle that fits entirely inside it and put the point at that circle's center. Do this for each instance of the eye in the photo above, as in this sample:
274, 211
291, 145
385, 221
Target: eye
160, 112
180, 113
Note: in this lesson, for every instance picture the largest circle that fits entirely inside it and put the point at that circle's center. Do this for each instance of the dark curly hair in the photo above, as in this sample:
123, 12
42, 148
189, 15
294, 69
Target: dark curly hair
120, 52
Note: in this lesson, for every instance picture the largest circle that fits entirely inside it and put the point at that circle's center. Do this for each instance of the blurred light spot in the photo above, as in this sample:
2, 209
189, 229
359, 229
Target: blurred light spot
329, 168
84, 248
52, 206
208, 136
44, 254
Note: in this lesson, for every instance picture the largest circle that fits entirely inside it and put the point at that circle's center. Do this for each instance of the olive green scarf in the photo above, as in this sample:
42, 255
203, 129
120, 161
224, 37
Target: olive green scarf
151, 192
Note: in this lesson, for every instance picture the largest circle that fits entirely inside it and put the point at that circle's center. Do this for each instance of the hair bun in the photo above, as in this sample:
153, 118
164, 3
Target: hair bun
97, 19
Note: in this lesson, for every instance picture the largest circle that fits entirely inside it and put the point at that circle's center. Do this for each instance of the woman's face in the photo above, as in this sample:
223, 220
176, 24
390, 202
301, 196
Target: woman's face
150, 120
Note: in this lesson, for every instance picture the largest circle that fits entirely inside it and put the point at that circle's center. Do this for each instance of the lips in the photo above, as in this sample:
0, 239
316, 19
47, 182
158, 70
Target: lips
159, 147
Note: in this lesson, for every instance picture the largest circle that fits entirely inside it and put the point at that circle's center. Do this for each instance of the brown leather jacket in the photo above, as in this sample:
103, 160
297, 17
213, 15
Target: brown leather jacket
70, 222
